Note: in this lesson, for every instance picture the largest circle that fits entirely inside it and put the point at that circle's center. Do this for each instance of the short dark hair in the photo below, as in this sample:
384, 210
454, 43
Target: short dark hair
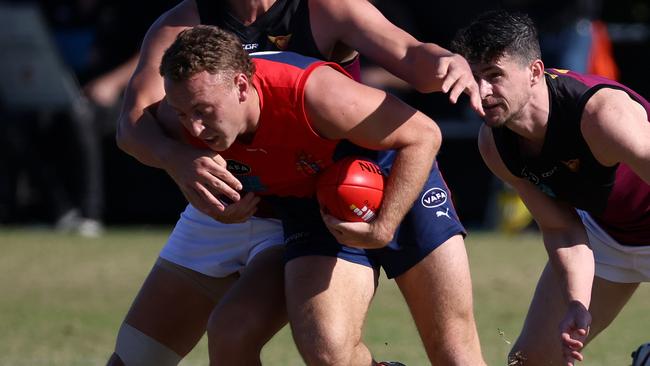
496, 33
205, 48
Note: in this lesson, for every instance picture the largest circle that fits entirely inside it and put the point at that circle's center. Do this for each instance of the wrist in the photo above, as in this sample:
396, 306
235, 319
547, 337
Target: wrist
383, 231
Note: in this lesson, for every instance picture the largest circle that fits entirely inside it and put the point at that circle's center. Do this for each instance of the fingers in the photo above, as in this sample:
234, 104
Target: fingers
204, 201
475, 98
458, 79
570, 342
243, 209
353, 234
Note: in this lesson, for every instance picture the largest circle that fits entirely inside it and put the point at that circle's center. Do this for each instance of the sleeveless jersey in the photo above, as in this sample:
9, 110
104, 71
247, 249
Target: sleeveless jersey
616, 197
285, 26
285, 154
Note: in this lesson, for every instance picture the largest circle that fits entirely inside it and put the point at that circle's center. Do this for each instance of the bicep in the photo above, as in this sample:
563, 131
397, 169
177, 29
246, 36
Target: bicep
339, 107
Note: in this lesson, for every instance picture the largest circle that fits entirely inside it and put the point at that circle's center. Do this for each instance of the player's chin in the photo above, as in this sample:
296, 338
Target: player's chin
218, 146
493, 120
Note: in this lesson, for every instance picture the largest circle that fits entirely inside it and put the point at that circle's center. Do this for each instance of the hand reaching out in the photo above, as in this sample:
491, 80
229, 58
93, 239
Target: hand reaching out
457, 78
574, 329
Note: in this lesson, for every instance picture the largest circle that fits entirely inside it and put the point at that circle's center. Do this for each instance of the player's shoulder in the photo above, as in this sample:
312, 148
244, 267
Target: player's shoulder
486, 142
605, 98
284, 58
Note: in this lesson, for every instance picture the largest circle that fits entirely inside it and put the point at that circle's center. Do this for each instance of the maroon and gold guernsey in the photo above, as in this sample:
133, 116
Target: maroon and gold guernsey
616, 197
285, 154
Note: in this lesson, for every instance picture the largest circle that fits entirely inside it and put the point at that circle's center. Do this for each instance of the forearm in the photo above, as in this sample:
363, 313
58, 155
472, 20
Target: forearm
145, 140
409, 172
573, 262
120, 75
423, 72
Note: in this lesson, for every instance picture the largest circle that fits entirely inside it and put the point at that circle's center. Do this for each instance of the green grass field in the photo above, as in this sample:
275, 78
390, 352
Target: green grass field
62, 299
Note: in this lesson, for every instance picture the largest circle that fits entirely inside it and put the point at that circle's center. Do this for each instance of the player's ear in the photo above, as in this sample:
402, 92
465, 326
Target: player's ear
243, 87
536, 71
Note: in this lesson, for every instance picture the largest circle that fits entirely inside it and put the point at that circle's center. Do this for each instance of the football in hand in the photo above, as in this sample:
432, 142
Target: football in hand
351, 189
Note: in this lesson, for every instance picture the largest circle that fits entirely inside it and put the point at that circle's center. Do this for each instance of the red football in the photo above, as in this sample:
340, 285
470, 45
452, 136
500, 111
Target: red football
351, 189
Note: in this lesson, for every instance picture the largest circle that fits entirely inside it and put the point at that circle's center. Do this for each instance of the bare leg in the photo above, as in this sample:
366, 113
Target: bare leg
327, 301
539, 341
438, 291
173, 309
250, 313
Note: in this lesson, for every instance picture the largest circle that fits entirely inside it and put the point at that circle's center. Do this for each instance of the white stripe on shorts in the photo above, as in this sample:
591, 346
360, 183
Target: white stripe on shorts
616, 262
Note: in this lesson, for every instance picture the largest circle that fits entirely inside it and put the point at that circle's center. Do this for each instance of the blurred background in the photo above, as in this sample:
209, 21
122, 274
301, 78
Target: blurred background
65, 64
76, 213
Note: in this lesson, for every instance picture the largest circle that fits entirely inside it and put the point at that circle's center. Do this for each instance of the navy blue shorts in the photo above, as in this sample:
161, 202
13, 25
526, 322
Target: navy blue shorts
431, 221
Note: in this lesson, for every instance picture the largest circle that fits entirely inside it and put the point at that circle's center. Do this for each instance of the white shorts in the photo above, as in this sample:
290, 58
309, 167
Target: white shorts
616, 262
200, 243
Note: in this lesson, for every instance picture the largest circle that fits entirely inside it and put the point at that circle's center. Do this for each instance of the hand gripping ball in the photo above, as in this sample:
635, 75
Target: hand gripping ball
351, 189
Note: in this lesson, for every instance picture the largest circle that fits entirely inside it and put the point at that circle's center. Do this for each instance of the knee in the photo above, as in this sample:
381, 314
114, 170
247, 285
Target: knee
325, 349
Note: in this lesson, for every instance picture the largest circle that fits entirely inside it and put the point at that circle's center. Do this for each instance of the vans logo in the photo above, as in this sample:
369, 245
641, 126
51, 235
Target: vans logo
434, 197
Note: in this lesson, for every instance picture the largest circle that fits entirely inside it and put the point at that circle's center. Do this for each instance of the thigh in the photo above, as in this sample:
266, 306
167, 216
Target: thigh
173, 306
438, 291
431, 222
254, 307
539, 341
327, 301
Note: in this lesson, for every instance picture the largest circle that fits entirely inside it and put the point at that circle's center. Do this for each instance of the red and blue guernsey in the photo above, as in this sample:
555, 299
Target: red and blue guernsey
616, 197
286, 153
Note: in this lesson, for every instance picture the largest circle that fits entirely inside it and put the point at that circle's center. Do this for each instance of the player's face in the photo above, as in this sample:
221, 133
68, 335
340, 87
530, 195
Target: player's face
209, 107
504, 85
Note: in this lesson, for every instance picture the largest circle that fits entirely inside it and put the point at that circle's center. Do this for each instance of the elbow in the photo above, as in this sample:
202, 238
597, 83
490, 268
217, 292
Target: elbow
122, 137
434, 136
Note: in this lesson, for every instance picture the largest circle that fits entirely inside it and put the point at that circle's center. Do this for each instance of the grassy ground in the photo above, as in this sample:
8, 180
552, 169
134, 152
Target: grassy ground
62, 299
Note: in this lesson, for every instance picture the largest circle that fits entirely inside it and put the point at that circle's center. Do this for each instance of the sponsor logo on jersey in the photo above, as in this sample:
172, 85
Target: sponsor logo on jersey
549, 173
306, 164
573, 164
281, 42
237, 168
434, 197
250, 46
530, 176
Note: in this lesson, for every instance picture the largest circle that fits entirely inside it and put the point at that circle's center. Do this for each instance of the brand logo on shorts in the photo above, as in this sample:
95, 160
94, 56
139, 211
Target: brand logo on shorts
434, 197
443, 213
237, 168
